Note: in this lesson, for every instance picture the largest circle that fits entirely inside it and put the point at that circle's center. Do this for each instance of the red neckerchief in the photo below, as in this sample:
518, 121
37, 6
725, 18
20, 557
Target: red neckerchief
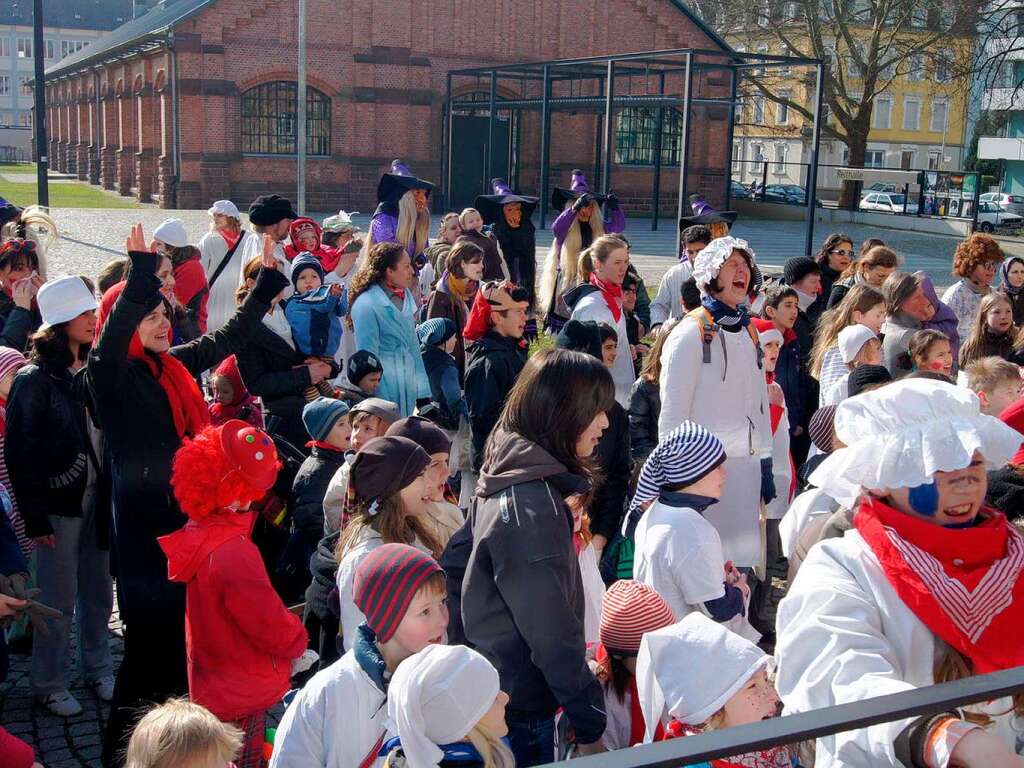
961, 583
612, 295
636, 714
229, 238
323, 446
399, 293
775, 757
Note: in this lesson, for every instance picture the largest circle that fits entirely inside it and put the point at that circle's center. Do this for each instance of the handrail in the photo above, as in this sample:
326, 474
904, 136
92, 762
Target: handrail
792, 729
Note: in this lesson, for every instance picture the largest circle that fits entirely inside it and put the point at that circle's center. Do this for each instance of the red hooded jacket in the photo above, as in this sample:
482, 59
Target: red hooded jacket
241, 639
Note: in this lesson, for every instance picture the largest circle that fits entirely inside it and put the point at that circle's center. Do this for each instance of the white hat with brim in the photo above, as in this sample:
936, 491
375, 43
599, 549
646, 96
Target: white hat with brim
900, 435
64, 299
225, 208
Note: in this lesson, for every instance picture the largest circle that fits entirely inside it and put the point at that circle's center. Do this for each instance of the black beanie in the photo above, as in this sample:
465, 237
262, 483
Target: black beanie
581, 336
385, 465
866, 376
799, 267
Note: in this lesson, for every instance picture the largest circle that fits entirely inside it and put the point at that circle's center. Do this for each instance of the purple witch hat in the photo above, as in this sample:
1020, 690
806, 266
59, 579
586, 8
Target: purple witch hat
577, 186
397, 181
490, 205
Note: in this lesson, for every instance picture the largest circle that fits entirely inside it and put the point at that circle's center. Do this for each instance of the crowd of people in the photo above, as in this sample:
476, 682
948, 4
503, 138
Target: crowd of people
455, 510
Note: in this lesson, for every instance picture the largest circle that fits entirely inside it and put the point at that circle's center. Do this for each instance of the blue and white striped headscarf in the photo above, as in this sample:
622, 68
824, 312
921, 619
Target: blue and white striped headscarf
684, 457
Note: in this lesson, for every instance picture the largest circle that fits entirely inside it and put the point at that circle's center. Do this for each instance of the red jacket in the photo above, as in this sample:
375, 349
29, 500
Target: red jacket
191, 289
15, 753
241, 638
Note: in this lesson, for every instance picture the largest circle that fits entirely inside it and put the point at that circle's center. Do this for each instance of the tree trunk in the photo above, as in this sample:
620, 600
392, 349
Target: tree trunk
857, 143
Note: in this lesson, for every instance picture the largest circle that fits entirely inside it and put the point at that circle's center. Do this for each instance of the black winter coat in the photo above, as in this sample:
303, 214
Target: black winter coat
48, 451
494, 363
614, 458
519, 247
644, 410
308, 493
17, 323
134, 413
1006, 492
522, 598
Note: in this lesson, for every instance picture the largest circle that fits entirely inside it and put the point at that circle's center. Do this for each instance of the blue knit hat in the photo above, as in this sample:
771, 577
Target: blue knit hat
435, 331
306, 261
320, 416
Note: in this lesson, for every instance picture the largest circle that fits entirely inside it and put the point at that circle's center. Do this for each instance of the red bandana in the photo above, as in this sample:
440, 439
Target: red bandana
612, 294
774, 757
961, 583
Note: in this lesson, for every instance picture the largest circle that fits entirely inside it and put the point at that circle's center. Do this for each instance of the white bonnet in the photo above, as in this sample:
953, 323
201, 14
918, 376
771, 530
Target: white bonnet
709, 261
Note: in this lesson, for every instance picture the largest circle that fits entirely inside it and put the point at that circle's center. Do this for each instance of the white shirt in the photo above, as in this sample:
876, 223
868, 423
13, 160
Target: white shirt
669, 301
220, 306
252, 248
594, 307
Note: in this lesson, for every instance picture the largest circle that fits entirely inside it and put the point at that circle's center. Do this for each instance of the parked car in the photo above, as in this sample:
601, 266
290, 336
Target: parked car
878, 186
737, 191
992, 217
887, 202
1009, 203
790, 194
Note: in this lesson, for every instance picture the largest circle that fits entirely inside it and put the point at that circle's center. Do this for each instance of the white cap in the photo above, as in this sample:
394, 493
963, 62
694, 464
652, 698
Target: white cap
692, 669
225, 208
899, 436
172, 232
436, 697
64, 299
852, 338
709, 261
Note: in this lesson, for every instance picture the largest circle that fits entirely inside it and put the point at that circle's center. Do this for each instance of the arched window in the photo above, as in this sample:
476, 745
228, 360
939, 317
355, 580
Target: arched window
269, 118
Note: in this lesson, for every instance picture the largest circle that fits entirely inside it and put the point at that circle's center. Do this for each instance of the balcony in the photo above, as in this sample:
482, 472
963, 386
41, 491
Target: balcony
1002, 99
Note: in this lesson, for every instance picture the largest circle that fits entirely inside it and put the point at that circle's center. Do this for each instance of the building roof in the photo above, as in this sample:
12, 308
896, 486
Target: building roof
149, 27
693, 16
69, 14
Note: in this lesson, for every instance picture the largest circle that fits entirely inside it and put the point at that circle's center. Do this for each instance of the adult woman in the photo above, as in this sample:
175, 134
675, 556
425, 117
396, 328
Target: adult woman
906, 310
522, 599
221, 258
274, 370
1011, 272
994, 332
600, 300
190, 286
835, 256
19, 263
975, 264
871, 269
383, 315
147, 401
54, 459
460, 278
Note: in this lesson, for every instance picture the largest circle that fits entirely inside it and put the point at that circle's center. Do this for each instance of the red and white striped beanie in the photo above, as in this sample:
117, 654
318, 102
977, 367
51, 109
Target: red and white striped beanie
630, 610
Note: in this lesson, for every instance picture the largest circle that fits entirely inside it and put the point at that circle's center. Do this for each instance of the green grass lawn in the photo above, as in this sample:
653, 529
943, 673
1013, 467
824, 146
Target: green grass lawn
62, 194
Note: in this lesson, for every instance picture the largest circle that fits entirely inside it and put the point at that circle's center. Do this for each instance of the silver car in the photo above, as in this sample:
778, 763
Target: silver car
1009, 203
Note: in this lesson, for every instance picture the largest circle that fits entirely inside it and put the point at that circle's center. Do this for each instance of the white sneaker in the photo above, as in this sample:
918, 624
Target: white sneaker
62, 704
104, 688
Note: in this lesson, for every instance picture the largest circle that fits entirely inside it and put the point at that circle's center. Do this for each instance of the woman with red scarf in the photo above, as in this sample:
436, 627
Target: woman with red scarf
603, 267
147, 401
925, 588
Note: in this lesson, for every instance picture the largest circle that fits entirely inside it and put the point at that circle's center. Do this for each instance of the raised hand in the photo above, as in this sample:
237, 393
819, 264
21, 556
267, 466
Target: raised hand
268, 262
24, 291
137, 240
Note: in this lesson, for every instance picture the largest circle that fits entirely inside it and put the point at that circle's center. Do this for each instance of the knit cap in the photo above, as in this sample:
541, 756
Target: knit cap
435, 331
580, 336
865, 376
379, 407
630, 610
799, 267
423, 432
306, 261
360, 364
384, 466
852, 338
320, 416
385, 583
767, 331
11, 360
821, 428
687, 454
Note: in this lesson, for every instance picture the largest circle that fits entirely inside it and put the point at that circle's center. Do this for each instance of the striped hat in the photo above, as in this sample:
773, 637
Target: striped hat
822, 428
386, 582
11, 360
684, 457
630, 610
435, 331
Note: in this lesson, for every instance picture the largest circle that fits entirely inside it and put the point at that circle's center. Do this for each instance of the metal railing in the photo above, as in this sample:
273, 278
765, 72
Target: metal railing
806, 726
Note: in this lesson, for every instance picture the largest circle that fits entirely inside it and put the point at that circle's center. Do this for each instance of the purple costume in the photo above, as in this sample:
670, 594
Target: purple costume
393, 184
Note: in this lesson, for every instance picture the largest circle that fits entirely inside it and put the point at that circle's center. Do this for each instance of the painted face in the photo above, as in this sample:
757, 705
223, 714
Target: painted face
785, 315
771, 355
918, 306
939, 358
757, 700
840, 256
425, 620
999, 317
1015, 274
513, 214
609, 351
420, 196
473, 270
493, 720
587, 442
983, 273
692, 250
309, 241
340, 435
510, 322
402, 274
585, 214
472, 221
155, 330
734, 278
413, 494
166, 275
1001, 397
368, 428
873, 318
875, 276
224, 390
437, 476
452, 230
370, 383
308, 280
82, 329
613, 269
960, 495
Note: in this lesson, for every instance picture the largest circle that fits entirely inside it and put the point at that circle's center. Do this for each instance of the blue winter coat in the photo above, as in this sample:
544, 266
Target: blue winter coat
315, 318
391, 335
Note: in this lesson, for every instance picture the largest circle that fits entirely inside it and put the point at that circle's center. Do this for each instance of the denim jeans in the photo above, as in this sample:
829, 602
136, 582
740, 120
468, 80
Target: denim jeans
74, 578
532, 741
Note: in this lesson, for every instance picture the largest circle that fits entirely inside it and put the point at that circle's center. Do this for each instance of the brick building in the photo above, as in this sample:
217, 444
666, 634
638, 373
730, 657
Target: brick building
195, 100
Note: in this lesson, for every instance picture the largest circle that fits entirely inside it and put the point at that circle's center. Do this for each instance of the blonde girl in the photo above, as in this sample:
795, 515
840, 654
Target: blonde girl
864, 305
179, 733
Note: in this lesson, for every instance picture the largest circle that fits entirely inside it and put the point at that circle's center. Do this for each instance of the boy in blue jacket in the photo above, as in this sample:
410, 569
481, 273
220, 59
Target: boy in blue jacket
314, 313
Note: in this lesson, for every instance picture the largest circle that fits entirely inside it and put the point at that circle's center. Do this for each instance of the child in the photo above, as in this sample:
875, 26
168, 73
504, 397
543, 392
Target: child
338, 718
781, 306
179, 733
231, 399
645, 401
690, 295
679, 553
630, 610
364, 371
11, 361
858, 345
930, 351
782, 466
448, 709
388, 483
724, 684
437, 343
370, 418
472, 224
314, 313
306, 237
239, 659
863, 305
994, 332
996, 382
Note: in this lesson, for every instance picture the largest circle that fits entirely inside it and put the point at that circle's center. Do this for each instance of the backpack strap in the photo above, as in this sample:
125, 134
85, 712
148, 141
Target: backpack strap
707, 330
757, 345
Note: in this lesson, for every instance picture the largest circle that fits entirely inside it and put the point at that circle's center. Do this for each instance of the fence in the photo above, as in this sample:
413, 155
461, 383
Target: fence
805, 726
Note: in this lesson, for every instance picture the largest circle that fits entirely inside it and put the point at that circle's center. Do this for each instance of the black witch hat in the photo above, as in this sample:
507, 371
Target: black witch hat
397, 181
490, 205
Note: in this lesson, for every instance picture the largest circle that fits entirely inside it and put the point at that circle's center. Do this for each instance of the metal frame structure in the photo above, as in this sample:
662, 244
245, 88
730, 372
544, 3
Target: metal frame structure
599, 74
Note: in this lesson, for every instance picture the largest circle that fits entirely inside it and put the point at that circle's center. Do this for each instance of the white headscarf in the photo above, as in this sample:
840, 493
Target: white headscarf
900, 435
436, 697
